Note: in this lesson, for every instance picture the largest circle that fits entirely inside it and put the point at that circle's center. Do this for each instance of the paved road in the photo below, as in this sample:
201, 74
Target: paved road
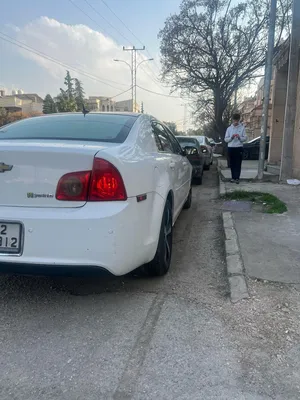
172, 338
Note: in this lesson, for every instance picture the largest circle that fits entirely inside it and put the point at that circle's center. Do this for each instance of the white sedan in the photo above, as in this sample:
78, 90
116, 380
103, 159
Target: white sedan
98, 190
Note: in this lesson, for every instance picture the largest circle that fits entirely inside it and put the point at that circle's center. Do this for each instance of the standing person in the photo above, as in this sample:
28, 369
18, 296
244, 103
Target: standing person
235, 137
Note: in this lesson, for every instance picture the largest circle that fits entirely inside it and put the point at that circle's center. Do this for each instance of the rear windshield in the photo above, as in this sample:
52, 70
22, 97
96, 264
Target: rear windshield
111, 128
187, 142
201, 139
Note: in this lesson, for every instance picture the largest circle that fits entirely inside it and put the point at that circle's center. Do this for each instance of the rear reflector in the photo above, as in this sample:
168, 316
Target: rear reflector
103, 183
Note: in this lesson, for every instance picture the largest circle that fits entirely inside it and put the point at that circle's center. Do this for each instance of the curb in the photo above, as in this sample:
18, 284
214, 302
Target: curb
234, 261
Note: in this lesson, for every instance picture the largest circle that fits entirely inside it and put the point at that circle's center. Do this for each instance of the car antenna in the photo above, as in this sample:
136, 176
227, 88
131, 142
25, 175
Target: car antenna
84, 110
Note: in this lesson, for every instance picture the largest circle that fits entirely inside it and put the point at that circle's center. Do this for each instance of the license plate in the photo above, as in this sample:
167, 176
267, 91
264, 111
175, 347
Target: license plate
10, 237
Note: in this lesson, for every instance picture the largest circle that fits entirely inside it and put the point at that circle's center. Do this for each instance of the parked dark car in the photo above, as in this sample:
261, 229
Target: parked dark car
206, 149
251, 149
194, 155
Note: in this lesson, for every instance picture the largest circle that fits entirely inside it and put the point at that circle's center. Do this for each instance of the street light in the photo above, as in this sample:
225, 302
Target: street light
148, 59
133, 70
125, 62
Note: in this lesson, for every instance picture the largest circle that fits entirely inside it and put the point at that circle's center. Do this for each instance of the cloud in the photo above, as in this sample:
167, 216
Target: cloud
12, 27
93, 52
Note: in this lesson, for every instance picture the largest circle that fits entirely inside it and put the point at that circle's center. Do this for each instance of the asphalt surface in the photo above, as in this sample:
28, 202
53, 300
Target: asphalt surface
176, 337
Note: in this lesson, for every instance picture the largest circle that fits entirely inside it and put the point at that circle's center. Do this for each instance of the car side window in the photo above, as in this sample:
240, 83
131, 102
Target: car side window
207, 141
176, 146
162, 139
157, 140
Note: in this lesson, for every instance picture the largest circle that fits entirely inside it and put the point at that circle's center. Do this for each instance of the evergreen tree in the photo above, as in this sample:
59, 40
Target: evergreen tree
49, 106
69, 84
79, 94
64, 103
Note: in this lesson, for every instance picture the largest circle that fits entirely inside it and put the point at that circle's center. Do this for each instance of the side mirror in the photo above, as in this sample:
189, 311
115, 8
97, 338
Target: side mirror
191, 151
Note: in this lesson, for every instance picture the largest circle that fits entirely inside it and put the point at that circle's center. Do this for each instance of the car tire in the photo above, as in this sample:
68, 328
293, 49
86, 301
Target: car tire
160, 265
188, 202
198, 179
207, 167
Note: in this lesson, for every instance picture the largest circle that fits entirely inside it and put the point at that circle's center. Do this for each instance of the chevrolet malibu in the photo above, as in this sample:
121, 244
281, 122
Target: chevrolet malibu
96, 190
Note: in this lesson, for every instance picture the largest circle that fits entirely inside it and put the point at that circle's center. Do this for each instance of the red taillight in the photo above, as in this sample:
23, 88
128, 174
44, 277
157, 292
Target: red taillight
106, 182
73, 186
103, 183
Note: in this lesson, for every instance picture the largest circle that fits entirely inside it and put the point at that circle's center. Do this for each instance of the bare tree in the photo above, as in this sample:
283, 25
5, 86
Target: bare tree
211, 48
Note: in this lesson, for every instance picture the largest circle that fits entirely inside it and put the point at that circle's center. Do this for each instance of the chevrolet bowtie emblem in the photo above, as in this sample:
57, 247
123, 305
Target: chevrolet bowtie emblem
5, 167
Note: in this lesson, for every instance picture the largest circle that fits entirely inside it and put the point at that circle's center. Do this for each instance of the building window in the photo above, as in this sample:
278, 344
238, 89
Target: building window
125, 108
103, 108
107, 108
111, 108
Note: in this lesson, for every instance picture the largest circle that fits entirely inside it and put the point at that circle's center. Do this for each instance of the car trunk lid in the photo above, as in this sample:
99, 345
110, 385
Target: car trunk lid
30, 171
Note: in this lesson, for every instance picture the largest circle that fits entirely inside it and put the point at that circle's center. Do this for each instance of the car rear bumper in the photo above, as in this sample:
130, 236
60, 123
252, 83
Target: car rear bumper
117, 237
207, 158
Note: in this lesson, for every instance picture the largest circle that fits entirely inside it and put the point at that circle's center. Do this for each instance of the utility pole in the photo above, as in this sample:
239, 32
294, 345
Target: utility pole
184, 124
267, 88
286, 169
184, 119
133, 50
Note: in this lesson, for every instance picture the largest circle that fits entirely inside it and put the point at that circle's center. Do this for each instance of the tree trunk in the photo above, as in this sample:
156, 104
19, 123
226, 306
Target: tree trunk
220, 107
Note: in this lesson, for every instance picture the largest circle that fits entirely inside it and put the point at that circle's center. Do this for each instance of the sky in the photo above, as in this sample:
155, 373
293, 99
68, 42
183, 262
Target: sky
89, 42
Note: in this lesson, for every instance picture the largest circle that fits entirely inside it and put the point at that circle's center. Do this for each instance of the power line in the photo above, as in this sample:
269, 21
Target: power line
87, 15
95, 22
119, 94
120, 33
122, 22
159, 94
101, 16
55, 61
132, 33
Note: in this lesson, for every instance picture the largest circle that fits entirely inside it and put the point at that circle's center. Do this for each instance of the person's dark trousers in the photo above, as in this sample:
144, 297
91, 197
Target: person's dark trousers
235, 157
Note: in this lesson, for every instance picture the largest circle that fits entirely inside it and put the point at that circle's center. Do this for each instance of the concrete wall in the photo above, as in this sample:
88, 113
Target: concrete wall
296, 152
277, 117
10, 101
29, 107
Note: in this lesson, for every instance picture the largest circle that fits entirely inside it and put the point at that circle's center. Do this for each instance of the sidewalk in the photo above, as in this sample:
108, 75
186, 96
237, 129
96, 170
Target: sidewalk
270, 244
249, 171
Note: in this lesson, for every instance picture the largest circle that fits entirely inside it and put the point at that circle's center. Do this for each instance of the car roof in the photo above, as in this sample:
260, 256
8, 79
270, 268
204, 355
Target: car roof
186, 137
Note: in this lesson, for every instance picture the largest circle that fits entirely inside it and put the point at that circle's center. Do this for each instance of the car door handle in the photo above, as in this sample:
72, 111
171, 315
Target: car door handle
172, 165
